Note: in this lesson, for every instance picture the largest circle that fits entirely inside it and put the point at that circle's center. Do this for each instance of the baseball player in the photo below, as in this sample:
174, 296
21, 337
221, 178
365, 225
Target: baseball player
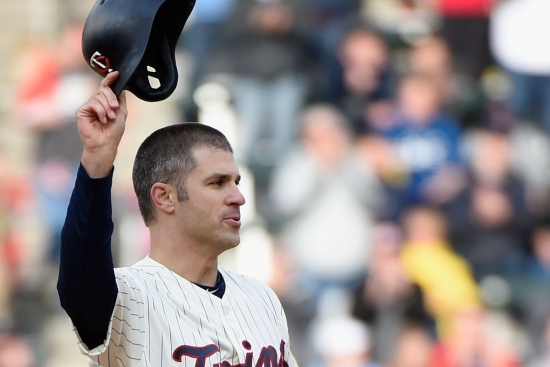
175, 307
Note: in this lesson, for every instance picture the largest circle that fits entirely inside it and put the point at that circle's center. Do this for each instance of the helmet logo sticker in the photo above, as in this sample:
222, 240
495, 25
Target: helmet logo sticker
100, 62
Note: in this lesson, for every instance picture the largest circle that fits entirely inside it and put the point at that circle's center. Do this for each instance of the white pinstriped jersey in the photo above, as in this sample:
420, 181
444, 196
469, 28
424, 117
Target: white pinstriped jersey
162, 320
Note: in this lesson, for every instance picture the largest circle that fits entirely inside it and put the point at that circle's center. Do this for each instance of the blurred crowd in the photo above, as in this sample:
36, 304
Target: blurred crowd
396, 164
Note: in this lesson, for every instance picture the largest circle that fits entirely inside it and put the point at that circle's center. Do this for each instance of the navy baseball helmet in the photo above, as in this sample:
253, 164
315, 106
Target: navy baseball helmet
138, 38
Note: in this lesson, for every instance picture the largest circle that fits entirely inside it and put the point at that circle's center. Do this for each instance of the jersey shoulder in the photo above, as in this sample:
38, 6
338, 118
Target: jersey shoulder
145, 266
249, 285
133, 277
242, 279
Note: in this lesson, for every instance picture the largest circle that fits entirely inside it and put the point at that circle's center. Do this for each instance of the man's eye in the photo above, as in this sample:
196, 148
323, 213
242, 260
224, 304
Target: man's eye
217, 183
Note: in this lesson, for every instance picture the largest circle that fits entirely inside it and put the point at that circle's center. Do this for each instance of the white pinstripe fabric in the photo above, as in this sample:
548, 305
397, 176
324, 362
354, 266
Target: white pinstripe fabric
158, 311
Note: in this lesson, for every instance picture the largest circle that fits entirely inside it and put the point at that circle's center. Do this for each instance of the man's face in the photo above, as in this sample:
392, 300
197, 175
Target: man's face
211, 217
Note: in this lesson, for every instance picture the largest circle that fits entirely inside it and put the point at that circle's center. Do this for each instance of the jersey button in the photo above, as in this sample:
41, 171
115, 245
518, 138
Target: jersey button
226, 311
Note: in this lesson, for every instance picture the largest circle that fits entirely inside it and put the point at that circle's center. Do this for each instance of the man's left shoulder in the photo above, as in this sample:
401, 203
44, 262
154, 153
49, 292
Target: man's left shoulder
238, 278
248, 284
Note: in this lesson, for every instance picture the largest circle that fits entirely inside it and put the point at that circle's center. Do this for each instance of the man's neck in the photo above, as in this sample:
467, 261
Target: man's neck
185, 259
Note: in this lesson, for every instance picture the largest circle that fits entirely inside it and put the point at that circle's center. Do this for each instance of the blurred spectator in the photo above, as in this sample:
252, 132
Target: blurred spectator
531, 290
432, 57
298, 306
365, 95
402, 22
14, 194
543, 358
318, 184
413, 348
267, 41
465, 27
470, 342
391, 171
15, 352
490, 216
530, 151
343, 341
427, 142
203, 37
444, 277
332, 19
54, 83
387, 300
461, 97
518, 31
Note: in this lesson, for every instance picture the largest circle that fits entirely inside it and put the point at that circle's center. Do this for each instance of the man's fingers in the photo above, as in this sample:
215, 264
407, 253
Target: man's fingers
97, 107
105, 87
108, 98
103, 96
109, 79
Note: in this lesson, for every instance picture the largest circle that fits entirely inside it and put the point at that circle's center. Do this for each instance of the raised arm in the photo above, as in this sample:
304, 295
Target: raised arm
86, 283
101, 123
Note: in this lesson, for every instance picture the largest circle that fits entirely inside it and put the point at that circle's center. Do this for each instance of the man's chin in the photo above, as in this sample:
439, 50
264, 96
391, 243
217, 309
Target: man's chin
231, 242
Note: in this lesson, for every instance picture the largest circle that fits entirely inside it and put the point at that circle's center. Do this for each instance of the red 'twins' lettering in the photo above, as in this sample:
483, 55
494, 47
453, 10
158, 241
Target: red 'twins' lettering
267, 358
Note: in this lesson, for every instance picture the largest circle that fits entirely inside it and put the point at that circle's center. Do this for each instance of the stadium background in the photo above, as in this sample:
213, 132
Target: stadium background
388, 242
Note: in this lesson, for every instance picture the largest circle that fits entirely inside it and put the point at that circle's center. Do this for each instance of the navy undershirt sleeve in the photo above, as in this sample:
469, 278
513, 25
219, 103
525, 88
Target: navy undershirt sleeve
86, 285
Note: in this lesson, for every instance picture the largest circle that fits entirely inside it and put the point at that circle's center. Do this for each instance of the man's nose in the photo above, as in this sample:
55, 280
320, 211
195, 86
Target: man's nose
236, 197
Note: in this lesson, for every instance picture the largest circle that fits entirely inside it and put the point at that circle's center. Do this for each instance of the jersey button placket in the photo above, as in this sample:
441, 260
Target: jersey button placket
231, 323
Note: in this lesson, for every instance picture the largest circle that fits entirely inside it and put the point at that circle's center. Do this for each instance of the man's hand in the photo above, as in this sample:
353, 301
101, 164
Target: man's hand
101, 123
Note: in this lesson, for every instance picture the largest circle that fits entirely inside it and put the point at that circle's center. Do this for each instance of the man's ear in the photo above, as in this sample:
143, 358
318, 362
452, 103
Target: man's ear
164, 197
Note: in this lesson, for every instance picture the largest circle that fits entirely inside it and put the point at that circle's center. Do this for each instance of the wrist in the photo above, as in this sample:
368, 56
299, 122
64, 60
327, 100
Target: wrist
97, 164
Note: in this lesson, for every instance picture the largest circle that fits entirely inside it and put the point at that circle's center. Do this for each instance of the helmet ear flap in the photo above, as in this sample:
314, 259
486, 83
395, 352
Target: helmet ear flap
156, 76
138, 38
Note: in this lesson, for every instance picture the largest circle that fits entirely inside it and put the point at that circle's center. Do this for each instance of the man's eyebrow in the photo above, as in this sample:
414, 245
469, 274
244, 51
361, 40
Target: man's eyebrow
221, 176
